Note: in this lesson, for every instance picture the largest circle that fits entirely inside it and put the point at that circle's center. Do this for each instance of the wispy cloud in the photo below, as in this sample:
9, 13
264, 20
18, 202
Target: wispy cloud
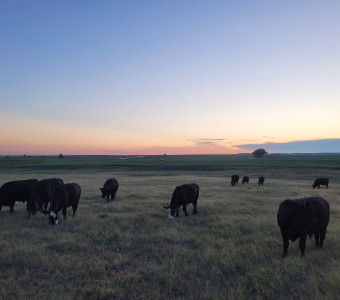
196, 146
207, 142
305, 146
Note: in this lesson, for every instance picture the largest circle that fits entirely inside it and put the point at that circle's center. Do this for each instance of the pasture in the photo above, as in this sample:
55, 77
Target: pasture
129, 249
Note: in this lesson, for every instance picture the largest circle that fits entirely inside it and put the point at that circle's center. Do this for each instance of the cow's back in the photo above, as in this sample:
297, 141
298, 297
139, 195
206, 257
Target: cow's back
289, 211
73, 191
68, 194
44, 192
8, 192
18, 190
306, 212
191, 192
321, 210
111, 184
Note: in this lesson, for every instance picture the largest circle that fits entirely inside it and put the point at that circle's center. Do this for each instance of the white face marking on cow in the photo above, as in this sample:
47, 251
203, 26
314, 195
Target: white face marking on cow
52, 214
169, 213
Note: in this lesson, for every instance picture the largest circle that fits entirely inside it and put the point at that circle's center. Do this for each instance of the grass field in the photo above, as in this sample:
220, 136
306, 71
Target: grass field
129, 249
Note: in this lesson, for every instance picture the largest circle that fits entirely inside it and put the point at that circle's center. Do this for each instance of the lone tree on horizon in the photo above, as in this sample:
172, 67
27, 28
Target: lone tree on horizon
259, 153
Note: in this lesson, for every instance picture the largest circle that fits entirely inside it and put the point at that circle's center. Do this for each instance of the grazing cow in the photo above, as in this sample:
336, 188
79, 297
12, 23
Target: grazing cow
20, 190
43, 195
64, 196
245, 179
234, 180
301, 217
261, 180
110, 188
320, 181
183, 195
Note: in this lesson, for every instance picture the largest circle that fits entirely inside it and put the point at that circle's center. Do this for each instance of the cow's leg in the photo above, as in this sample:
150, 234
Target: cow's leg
45, 205
185, 209
176, 212
74, 207
195, 210
11, 207
302, 243
107, 198
64, 212
317, 239
322, 237
0, 207
285, 241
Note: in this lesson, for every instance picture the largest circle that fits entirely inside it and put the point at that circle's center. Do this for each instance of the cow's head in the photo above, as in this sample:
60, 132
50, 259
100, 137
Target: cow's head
170, 211
104, 192
53, 218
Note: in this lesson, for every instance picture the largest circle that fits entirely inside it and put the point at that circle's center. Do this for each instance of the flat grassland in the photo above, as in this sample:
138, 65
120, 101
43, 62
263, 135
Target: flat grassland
129, 249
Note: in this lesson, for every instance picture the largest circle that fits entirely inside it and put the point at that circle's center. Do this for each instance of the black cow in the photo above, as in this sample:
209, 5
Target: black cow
320, 181
43, 195
110, 188
245, 179
183, 195
234, 180
64, 196
301, 217
19, 190
261, 180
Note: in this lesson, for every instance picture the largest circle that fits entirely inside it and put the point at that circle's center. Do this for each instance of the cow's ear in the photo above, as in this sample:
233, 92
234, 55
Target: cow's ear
307, 204
166, 207
101, 189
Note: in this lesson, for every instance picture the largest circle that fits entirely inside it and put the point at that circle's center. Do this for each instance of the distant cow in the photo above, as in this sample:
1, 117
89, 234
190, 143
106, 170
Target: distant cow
320, 181
110, 188
245, 179
43, 195
261, 180
183, 195
20, 190
234, 180
64, 196
301, 217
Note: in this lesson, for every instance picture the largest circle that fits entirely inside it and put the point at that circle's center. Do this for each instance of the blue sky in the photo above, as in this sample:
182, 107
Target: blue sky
177, 77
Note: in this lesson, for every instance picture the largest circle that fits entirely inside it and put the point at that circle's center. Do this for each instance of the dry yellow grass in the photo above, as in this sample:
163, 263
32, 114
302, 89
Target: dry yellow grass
129, 249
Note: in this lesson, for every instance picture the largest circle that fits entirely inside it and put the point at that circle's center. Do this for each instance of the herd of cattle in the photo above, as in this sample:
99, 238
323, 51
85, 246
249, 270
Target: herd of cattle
296, 218
235, 178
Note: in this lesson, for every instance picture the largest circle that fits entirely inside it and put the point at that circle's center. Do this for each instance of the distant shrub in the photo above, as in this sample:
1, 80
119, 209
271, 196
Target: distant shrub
259, 153
61, 156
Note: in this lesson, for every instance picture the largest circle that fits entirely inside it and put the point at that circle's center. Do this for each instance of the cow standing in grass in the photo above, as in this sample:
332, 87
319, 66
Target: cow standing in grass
43, 195
64, 196
183, 195
110, 189
320, 181
261, 180
19, 190
245, 179
234, 180
301, 217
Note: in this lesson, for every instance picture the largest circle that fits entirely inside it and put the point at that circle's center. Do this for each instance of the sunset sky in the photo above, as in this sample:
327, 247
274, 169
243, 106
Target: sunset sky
175, 77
